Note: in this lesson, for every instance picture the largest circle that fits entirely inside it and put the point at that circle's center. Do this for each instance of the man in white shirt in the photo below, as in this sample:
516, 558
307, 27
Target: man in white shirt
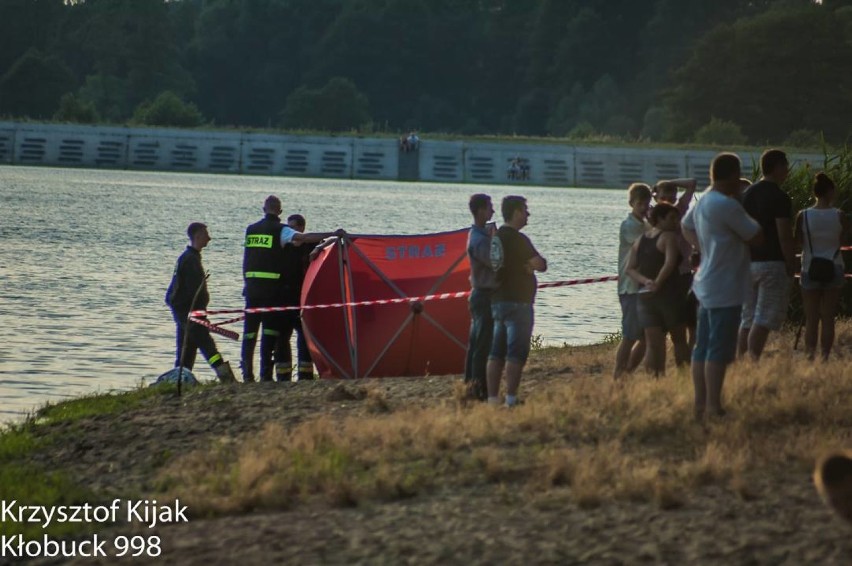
721, 230
632, 347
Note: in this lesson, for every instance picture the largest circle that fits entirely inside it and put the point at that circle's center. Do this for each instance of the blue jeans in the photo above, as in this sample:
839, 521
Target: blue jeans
716, 335
513, 324
479, 344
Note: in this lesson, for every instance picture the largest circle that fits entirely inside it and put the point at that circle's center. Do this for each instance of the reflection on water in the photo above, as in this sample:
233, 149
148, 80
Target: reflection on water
85, 257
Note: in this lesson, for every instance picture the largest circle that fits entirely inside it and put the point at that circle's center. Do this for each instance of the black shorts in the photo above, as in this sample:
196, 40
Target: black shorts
659, 310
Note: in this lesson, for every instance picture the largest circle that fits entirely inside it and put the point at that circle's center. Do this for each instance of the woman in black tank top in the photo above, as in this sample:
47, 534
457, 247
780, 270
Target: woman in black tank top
653, 264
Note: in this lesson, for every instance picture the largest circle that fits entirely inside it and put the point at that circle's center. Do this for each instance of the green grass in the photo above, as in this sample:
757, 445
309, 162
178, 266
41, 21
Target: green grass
99, 404
29, 485
17, 443
29, 481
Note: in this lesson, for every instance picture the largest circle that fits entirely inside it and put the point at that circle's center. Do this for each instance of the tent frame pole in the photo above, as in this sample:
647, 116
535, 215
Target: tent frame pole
345, 271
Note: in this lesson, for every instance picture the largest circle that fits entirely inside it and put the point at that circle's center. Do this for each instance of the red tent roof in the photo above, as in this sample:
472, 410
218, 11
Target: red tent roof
408, 339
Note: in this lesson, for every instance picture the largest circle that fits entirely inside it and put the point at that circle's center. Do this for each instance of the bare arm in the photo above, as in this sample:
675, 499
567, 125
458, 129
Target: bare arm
316, 237
785, 238
687, 183
537, 263
688, 186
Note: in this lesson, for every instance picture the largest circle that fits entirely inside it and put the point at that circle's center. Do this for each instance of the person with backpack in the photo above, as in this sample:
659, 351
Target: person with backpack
483, 281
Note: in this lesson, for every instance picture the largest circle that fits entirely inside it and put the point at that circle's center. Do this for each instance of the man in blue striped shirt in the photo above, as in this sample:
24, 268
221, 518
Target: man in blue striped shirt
483, 281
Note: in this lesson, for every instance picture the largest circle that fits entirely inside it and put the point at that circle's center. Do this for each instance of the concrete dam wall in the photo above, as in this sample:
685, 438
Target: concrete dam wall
162, 149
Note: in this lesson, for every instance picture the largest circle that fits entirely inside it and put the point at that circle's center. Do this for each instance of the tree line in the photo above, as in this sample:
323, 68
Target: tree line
708, 71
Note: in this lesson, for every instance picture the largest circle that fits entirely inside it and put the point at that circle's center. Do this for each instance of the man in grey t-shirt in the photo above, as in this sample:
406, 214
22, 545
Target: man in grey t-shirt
719, 227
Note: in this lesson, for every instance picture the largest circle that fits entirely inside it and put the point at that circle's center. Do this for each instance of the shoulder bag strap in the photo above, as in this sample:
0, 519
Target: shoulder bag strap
808, 230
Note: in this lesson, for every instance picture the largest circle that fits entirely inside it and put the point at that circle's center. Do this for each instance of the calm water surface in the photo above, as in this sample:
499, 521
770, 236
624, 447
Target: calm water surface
85, 257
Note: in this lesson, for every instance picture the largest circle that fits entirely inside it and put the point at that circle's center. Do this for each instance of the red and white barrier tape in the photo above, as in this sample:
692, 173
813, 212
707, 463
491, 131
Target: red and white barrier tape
394, 301
216, 328
199, 317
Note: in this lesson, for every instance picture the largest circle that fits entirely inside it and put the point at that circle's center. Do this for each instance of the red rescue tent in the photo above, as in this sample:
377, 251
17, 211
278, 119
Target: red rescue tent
407, 339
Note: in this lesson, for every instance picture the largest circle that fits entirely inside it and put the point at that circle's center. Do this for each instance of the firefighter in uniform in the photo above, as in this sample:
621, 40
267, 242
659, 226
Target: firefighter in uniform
298, 259
264, 264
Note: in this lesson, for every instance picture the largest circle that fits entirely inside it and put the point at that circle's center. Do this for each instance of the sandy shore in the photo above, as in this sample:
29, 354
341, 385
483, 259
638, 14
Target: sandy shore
777, 519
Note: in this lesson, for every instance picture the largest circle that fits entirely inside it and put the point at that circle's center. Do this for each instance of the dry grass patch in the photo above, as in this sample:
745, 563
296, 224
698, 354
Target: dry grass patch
635, 440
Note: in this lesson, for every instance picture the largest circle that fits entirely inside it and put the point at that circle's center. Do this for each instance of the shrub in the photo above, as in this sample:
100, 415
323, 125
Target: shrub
581, 131
655, 124
168, 110
720, 132
807, 139
336, 107
74, 109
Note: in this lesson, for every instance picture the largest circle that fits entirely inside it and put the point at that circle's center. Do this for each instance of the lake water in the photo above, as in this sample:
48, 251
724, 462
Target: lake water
86, 255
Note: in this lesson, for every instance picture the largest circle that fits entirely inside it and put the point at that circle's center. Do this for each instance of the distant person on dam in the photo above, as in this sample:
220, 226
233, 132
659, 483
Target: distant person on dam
515, 260
721, 231
631, 350
483, 282
298, 258
264, 261
188, 292
774, 263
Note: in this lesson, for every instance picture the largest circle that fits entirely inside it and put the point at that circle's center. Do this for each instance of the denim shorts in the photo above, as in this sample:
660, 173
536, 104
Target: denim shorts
716, 335
513, 324
836, 283
630, 328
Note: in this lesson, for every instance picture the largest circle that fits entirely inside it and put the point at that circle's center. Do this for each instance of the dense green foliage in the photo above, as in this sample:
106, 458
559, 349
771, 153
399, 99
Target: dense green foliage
631, 69
338, 106
168, 110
